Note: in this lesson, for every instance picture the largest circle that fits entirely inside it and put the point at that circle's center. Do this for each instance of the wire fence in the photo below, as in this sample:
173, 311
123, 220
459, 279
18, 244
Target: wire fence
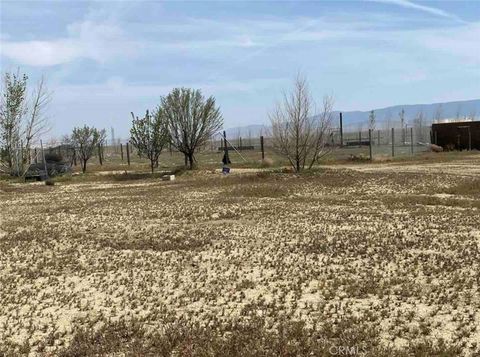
392, 142
361, 144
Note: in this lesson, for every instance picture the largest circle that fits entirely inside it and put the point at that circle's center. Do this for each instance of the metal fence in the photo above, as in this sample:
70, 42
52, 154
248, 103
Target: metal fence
361, 144
391, 142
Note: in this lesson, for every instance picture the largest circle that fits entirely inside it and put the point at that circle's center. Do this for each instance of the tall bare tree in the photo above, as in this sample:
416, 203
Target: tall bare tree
299, 134
419, 125
191, 119
149, 135
22, 119
37, 122
85, 140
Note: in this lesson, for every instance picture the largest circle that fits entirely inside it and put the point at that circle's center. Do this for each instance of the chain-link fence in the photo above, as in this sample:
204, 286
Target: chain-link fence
383, 143
119, 154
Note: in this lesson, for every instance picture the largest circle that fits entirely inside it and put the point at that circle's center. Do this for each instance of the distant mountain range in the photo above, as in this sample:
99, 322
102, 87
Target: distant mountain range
355, 119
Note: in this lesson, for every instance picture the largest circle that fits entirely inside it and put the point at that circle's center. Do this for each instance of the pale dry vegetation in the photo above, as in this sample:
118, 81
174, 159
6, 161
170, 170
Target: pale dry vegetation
383, 257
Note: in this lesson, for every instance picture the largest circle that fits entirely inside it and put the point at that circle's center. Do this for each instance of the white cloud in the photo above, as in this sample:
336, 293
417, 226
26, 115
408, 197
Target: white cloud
98, 42
41, 53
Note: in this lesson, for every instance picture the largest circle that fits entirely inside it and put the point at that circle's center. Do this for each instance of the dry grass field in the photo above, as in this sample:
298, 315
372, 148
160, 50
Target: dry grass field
373, 259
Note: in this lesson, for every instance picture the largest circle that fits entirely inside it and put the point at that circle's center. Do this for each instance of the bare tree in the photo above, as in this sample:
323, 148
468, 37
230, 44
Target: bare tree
458, 113
388, 125
149, 135
419, 124
323, 127
297, 133
37, 122
438, 115
22, 120
191, 120
85, 140
473, 115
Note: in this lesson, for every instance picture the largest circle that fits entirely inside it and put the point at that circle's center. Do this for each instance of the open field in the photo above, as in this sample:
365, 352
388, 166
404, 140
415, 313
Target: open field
379, 258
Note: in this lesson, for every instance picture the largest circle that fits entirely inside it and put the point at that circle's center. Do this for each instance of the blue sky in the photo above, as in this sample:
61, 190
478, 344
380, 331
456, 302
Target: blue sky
103, 59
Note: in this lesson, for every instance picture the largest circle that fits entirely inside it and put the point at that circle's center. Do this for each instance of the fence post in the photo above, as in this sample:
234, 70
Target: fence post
378, 137
341, 130
370, 142
128, 155
240, 148
393, 142
360, 138
261, 147
121, 150
100, 154
227, 159
411, 140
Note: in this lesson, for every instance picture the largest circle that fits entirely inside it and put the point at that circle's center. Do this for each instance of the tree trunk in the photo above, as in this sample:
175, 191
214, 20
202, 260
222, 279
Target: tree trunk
152, 165
84, 166
190, 161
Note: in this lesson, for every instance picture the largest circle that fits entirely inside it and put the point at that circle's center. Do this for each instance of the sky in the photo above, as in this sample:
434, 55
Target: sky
105, 59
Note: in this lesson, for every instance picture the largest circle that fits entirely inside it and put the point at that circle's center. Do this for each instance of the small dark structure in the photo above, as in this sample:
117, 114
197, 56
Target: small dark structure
457, 135
357, 142
64, 152
54, 164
